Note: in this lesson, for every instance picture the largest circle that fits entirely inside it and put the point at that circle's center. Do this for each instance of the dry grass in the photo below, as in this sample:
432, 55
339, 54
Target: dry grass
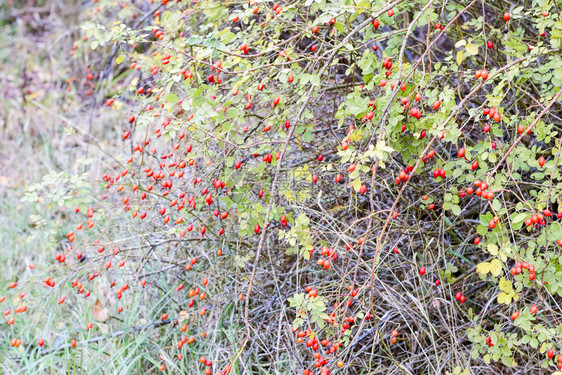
47, 128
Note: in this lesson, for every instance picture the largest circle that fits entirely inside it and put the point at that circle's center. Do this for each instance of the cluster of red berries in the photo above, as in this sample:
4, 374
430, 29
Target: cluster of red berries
519, 267
481, 74
429, 155
330, 253
538, 219
393, 335
403, 176
439, 173
493, 113
550, 354
460, 297
481, 190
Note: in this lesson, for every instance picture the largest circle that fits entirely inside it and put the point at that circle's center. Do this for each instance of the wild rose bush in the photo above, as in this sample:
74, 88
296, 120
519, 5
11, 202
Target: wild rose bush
302, 187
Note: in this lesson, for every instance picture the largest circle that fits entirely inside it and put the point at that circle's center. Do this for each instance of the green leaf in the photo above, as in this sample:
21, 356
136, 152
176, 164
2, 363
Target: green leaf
227, 37
534, 342
315, 80
172, 98
232, 112
519, 218
482, 230
455, 209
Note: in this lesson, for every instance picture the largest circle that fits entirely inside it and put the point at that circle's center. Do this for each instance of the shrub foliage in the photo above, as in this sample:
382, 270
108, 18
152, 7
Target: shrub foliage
310, 186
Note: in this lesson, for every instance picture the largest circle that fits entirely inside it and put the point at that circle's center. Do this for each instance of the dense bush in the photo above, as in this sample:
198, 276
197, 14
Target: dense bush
311, 186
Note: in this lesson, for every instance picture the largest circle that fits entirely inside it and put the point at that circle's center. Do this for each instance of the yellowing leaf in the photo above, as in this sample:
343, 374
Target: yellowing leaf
357, 184
503, 257
289, 195
504, 298
496, 267
483, 268
505, 285
460, 43
472, 49
459, 57
493, 249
